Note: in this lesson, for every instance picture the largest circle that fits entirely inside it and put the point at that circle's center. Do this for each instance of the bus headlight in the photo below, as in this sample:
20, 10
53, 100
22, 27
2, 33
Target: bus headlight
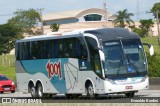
144, 78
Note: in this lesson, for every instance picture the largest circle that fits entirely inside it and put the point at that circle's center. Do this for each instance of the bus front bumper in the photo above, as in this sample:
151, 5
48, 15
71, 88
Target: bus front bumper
111, 87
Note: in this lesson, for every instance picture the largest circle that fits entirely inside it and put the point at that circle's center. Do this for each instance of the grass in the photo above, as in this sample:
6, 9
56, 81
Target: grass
154, 42
8, 71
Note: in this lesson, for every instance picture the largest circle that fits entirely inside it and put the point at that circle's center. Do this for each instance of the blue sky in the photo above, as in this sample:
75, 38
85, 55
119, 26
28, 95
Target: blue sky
8, 7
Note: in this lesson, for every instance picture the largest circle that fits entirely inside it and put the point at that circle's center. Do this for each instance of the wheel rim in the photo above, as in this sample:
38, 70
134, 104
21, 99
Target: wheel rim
91, 91
40, 91
33, 91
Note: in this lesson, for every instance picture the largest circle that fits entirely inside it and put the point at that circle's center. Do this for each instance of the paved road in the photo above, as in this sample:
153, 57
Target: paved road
142, 96
143, 93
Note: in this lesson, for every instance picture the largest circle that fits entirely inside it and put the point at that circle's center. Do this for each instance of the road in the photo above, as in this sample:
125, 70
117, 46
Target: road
143, 93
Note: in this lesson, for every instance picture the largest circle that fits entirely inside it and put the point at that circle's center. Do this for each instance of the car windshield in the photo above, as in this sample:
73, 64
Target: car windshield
124, 57
3, 78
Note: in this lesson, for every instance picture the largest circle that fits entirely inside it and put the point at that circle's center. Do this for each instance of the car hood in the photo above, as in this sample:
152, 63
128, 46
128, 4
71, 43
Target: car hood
6, 82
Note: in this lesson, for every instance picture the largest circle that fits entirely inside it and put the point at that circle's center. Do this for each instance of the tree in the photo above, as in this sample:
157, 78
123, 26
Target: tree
55, 27
8, 36
146, 26
155, 9
156, 12
139, 31
123, 18
26, 20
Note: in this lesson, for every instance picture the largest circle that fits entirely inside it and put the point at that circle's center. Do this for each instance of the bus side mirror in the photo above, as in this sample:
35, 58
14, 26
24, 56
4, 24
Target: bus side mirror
151, 49
102, 56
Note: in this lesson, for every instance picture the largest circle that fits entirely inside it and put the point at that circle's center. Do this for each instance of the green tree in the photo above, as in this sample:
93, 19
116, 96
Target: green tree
26, 20
8, 36
139, 31
55, 27
146, 26
155, 9
123, 18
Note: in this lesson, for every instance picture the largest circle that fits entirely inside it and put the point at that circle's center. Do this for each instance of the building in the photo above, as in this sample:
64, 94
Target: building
78, 19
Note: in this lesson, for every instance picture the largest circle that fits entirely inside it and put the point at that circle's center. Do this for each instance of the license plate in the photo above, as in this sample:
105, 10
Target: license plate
129, 87
6, 89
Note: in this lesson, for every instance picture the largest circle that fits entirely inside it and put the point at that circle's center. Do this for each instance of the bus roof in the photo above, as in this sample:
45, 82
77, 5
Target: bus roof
42, 37
106, 34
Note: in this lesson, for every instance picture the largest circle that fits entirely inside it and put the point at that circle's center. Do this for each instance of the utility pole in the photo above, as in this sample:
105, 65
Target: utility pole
41, 19
137, 10
157, 17
157, 12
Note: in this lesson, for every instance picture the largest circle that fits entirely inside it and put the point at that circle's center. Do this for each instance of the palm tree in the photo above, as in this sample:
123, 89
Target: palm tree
123, 18
55, 27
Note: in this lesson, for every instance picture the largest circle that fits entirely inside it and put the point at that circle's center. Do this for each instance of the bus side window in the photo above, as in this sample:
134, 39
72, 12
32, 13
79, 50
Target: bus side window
55, 48
81, 49
36, 50
44, 50
61, 54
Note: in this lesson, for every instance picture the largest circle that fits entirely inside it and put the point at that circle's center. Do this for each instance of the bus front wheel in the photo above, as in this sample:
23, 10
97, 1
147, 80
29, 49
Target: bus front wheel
90, 90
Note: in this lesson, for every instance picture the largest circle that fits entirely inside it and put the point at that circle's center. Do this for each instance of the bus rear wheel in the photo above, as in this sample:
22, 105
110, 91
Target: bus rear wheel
33, 91
39, 90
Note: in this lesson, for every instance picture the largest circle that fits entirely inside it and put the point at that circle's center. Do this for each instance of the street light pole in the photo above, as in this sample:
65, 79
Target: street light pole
105, 12
41, 19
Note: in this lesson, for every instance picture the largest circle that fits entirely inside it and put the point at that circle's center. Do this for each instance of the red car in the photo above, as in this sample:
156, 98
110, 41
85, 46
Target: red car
6, 85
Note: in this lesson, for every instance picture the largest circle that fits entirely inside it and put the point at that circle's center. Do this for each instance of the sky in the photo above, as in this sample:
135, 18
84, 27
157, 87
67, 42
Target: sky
8, 7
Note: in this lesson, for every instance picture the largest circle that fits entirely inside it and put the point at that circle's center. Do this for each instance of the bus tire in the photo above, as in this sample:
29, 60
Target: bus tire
90, 91
130, 94
13, 91
33, 91
39, 90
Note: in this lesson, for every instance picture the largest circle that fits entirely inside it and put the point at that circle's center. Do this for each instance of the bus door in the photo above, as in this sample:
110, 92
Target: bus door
95, 61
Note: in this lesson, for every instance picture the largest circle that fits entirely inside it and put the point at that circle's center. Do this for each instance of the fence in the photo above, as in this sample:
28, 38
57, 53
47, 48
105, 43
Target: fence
7, 60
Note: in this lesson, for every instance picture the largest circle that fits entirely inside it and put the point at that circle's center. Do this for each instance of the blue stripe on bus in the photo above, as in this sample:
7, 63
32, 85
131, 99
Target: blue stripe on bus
35, 66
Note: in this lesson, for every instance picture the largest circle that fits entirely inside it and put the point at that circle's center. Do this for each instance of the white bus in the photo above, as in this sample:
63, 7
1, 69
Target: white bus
92, 62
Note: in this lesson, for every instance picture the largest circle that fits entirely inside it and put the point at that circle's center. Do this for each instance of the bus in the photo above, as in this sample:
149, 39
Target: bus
84, 62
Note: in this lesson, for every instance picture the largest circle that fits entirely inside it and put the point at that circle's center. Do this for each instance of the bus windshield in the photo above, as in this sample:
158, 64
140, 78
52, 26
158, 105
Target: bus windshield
124, 58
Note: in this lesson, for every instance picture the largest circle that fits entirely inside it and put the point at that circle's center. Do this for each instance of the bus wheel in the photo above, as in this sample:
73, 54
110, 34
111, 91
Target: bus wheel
90, 90
39, 90
33, 91
130, 94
